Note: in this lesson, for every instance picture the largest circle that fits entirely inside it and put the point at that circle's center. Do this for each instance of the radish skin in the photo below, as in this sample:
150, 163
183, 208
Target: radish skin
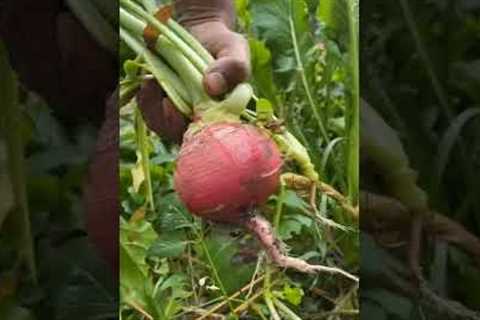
226, 169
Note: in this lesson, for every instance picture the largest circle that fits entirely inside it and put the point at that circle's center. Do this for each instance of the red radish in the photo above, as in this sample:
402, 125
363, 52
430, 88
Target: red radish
226, 169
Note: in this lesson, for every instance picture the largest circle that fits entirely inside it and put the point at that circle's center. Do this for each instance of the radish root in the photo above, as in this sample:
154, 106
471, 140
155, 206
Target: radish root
263, 230
299, 182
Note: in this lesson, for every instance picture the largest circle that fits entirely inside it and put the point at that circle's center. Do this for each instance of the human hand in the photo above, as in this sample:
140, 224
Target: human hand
231, 53
211, 22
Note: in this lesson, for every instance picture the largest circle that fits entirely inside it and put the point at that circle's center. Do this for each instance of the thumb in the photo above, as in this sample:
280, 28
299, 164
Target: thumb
231, 67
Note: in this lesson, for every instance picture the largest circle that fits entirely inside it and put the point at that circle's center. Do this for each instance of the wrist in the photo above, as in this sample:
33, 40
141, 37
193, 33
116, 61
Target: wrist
193, 12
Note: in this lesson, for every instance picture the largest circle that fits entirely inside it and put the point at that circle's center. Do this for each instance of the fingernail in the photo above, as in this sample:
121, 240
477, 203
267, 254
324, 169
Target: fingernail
216, 83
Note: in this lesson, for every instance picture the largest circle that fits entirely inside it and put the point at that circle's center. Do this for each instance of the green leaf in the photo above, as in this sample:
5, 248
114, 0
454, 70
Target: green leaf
264, 110
135, 239
131, 68
293, 223
168, 245
335, 14
171, 215
261, 60
135, 287
291, 199
223, 250
291, 226
293, 295
271, 23
163, 158
243, 14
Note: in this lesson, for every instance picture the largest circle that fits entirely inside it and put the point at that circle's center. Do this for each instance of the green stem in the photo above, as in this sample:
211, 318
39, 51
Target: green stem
184, 68
353, 116
306, 87
271, 307
93, 21
163, 29
173, 86
159, 71
191, 77
291, 147
291, 315
294, 149
127, 91
150, 5
188, 38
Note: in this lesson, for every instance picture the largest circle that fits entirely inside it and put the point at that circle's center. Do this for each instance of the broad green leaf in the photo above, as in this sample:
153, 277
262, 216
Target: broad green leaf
291, 199
293, 225
170, 293
171, 215
261, 60
168, 245
335, 14
135, 286
278, 23
135, 238
222, 250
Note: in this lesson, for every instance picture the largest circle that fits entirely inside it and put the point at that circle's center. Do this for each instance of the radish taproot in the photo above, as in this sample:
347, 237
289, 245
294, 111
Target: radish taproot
226, 168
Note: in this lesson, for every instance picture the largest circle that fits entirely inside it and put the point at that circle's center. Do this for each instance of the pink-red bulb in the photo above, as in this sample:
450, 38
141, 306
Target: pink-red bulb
225, 170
